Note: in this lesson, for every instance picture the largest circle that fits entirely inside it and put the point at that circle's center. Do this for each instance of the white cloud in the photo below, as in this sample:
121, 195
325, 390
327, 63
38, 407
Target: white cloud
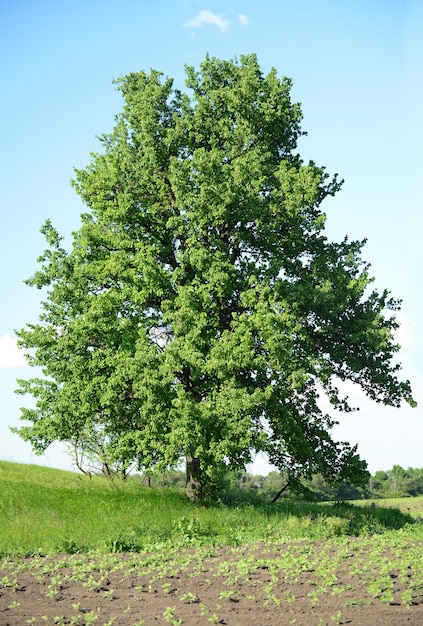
243, 19
207, 17
10, 354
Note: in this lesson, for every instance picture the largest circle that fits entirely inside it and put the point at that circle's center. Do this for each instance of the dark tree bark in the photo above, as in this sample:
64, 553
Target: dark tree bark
280, 492
193, 477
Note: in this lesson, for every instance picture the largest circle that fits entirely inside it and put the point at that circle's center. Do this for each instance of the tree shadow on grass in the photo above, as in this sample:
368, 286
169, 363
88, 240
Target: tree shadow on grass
328, 519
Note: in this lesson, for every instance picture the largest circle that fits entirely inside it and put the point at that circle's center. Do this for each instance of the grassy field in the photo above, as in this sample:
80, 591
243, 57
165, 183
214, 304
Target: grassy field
48, 511
411, 506
75, 551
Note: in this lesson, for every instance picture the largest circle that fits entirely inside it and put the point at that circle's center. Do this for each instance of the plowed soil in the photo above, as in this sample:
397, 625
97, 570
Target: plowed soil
294, 583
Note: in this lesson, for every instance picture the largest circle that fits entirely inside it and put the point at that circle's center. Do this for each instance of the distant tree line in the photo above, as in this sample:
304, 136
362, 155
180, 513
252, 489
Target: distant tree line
397, 482
394, 483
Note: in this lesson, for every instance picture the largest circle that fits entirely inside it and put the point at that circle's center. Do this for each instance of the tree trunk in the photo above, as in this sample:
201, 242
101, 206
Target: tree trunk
193, 477
280, 492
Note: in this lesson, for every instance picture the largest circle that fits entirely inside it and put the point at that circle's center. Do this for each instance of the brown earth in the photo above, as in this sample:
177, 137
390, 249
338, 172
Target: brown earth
299, 584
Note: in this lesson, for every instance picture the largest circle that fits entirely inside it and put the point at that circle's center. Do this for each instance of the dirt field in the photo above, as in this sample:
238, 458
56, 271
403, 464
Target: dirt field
295, 583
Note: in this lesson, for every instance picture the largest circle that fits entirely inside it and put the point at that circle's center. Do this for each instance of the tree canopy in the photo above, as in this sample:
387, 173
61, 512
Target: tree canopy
202, 311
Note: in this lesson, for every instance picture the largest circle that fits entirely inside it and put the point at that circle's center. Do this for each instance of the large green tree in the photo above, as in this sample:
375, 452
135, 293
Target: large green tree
201, 310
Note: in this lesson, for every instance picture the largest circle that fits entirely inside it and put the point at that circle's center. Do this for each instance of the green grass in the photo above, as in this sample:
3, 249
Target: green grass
411, 506
48, 511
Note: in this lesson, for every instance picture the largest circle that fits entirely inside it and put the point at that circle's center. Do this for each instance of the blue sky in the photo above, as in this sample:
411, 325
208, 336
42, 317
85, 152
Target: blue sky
357, 69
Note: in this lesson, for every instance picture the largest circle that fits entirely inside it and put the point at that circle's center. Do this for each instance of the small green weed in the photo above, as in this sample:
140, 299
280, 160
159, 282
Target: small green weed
189, 598
169, 615
14, 605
